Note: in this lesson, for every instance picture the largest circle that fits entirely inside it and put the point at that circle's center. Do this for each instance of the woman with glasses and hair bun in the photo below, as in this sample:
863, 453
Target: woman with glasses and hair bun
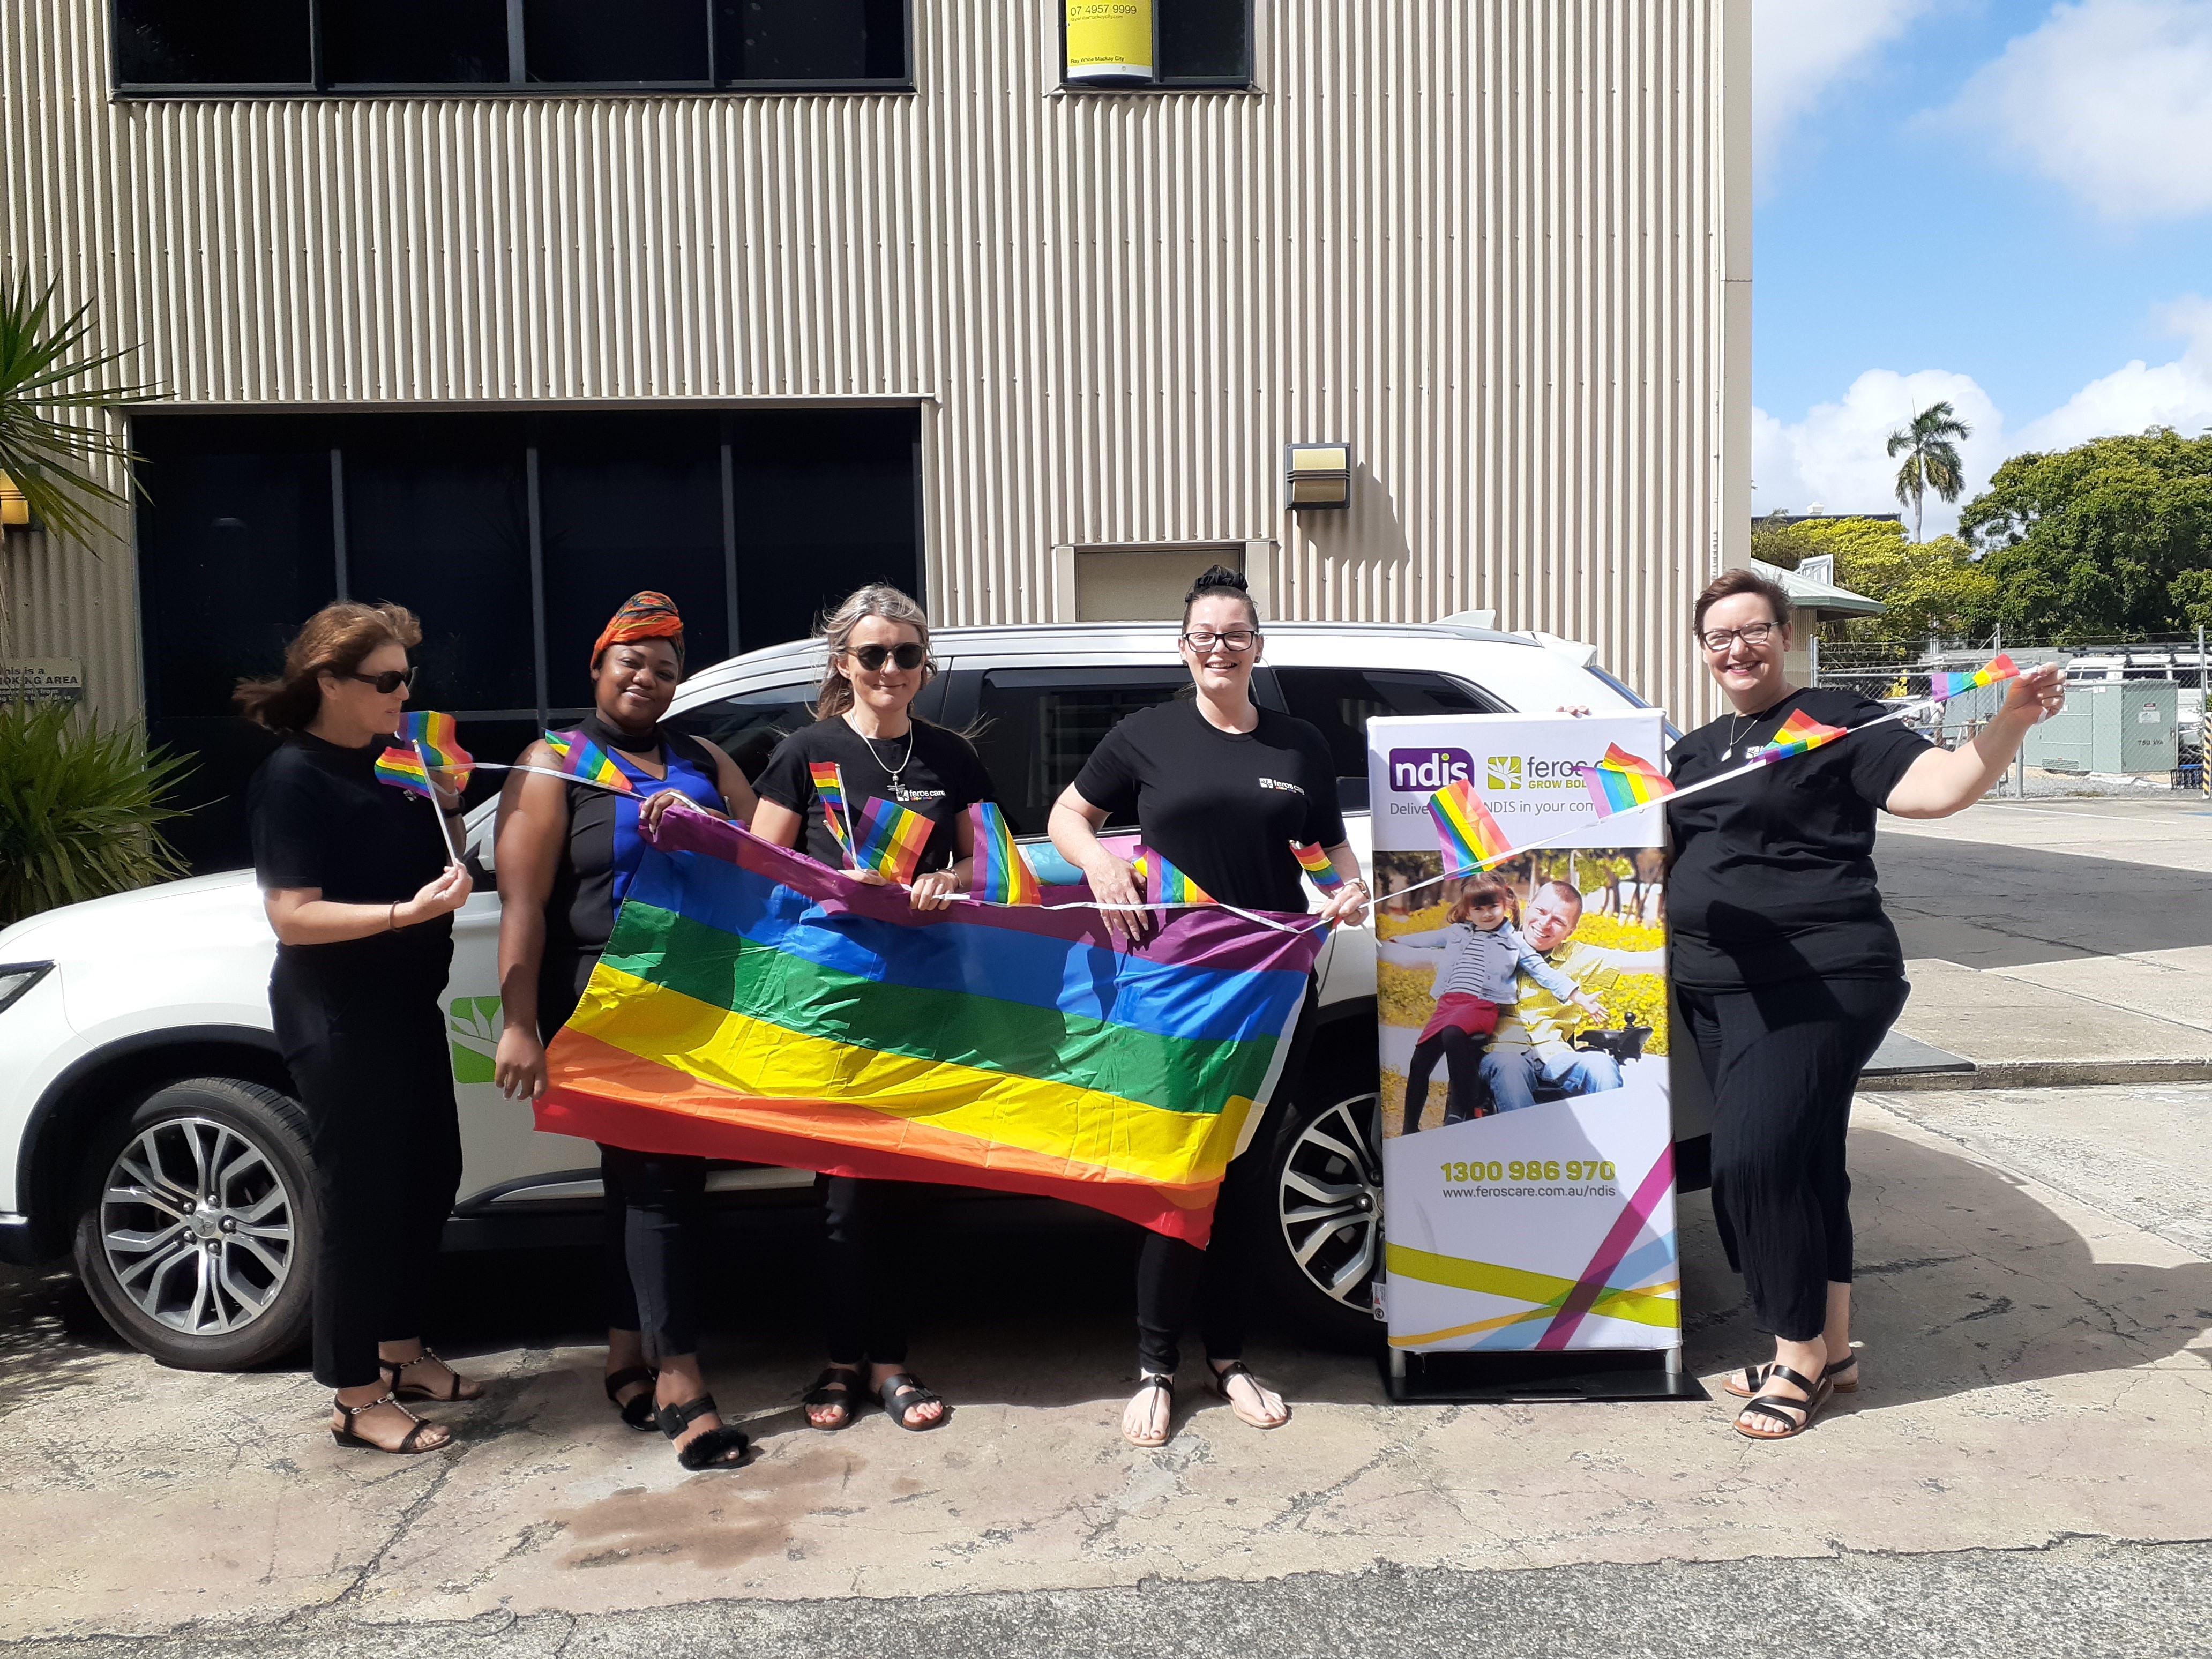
1225, 790
1787, 971
864, 726
359, 890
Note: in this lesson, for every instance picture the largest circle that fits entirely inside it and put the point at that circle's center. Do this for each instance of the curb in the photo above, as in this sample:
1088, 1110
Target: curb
2040, 1074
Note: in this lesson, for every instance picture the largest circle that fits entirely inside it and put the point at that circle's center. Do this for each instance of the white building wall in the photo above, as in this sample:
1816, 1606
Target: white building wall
1500, 247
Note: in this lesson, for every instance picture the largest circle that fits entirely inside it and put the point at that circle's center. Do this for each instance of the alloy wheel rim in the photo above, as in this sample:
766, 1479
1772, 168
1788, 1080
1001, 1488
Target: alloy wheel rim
1330, 1200
198, 1226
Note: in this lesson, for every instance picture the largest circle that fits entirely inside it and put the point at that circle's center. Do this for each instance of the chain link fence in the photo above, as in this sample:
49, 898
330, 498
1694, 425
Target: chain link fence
1898, 672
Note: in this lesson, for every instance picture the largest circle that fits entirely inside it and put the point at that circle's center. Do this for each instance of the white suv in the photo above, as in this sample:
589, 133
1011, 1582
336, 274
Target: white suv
147, 1122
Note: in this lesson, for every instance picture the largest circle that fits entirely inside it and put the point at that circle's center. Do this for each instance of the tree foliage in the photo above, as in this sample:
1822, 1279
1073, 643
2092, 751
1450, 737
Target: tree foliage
1930, 588
2110, 537
1931, 457
78, 807
54, 422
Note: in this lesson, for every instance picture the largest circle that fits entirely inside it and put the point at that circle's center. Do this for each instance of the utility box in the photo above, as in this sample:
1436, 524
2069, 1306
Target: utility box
2124, 726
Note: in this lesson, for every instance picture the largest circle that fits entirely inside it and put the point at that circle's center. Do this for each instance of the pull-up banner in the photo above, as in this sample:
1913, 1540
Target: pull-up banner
1527, 1151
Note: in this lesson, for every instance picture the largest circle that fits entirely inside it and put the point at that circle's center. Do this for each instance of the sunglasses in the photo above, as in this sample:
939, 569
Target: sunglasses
873, 657
388, 682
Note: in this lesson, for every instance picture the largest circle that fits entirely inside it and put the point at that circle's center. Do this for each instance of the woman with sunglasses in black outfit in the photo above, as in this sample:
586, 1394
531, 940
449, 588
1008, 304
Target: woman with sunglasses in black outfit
359, 890
864, 724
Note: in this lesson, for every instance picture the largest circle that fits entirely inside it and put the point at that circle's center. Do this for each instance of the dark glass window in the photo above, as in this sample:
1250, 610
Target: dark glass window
748, 726
1207, 41
595, 42
1341, 701
832, 41
1036, 728
413, 42
191, 42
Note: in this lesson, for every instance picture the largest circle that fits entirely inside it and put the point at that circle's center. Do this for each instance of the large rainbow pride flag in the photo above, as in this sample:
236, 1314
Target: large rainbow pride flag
753, 1005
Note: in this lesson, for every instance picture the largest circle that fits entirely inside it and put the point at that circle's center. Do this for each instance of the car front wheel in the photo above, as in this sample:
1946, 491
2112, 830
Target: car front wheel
196, 1232
1322, 1240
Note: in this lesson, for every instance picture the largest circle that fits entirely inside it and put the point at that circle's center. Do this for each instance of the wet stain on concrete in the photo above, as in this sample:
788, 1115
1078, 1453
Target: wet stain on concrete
713, 1520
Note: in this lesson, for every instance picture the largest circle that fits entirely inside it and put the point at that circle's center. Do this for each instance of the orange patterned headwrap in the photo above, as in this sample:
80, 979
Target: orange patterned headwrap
647, 615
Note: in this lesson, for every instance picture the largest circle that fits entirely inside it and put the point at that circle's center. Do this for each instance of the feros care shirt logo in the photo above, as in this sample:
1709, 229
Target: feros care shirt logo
1505, 772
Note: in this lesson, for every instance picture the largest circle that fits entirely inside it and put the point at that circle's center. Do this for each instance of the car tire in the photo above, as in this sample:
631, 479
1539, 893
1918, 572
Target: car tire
196, 1225
1320, 1241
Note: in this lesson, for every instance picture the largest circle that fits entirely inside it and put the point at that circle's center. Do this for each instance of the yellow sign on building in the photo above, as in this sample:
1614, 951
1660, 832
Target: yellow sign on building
1110, 39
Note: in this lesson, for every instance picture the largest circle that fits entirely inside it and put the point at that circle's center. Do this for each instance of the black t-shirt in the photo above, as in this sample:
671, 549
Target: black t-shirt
1773, 874
942, 779
319, 818
1227, 808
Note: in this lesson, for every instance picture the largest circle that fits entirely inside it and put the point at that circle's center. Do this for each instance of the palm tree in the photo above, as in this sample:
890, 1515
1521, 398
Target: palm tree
1931, 459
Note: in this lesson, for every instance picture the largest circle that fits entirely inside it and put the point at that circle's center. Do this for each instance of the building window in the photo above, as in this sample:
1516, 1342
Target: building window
512, 536
1130, 46
290, 47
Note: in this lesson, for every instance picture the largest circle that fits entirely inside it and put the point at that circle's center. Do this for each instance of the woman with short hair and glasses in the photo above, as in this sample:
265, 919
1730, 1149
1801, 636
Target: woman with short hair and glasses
864, 724
360, 888
1224, 790
1787, 971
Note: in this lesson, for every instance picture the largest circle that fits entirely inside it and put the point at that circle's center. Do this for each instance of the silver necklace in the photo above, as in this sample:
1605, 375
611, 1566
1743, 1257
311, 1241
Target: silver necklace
1734, 738
894, 773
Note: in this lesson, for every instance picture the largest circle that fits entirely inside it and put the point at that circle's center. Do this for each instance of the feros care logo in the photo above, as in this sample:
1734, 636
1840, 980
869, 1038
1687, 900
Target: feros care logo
472, 1033
1504, 772
1424, 771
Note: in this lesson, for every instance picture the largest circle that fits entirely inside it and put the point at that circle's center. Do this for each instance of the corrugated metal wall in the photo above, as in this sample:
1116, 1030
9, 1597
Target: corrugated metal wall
1484, 240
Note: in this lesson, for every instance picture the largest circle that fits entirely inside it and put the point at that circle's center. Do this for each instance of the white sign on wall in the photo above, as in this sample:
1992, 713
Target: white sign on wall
41, 679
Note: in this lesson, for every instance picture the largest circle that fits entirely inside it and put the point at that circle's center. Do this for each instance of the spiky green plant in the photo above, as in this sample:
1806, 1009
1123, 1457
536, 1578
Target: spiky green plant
54, 429
1931, 459
78, 807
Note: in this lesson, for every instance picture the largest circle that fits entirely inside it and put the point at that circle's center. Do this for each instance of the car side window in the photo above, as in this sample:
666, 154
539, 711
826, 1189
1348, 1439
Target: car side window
1341, 701
748, 726
1035, 728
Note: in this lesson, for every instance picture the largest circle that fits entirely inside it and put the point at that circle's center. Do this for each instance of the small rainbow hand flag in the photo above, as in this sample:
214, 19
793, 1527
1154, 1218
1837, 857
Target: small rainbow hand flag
439, 740
1800, 733
403, 769
1941, 687
829, 790
889, 838
1002, 872
1319, 869
1621, 780
1470, 836
577, 756
1165, 884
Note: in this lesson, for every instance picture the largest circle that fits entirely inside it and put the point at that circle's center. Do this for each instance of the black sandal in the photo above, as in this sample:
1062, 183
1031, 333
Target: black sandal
1746, 1382
835, 1387
637, 1410
1780, 1408
711, 1450
396, 1369
346, 1437
902, 1391
1219, 1384
1166, 1386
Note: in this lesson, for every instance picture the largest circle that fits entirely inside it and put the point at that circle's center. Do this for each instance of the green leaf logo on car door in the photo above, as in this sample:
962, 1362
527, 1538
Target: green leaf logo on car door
472, 1033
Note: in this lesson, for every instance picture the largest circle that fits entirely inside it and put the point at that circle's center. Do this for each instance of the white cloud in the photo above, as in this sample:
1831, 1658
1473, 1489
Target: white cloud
2112, 99
1801, 48
2177, 394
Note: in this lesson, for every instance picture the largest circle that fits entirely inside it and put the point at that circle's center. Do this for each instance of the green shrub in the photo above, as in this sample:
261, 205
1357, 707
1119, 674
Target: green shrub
77, 810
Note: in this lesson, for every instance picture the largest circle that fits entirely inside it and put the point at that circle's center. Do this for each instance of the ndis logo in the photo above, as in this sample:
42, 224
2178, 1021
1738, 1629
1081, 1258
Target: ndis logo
1424, 771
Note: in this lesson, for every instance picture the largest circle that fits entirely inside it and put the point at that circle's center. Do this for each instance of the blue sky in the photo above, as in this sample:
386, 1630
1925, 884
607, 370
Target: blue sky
2006, 205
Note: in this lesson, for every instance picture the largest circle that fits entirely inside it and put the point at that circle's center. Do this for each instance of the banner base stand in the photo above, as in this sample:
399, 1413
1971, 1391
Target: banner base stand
1576, 1376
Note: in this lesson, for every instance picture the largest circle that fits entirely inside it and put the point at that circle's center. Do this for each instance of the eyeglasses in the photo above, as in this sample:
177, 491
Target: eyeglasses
1720, 639
873, 657
1237, 638
388, 682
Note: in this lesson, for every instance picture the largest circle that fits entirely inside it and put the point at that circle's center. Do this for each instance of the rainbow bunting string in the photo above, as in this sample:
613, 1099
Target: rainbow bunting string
889, 839
403, 769
1165, 884
439, 740
1319, 869
1943, 687
753, 1005
1621, 780
577, 756
1002, 872
1799, 733
1470, 836
829, 790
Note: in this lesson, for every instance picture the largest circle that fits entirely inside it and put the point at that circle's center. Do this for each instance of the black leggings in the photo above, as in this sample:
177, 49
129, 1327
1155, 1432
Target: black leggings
654, 1235
1461, 1054
377, 1086
1782, 1062
863, 1275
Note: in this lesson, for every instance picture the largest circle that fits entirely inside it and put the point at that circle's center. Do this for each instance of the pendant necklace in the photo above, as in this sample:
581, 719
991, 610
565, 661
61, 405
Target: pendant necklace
894, 773
1729, 753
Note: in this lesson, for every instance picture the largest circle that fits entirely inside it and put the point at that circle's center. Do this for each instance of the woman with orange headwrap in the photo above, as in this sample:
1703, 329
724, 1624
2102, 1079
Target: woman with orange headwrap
566, 852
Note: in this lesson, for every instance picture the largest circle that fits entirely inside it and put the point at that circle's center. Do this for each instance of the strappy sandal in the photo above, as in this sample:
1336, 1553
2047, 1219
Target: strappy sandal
722, 1448
1746, 1382
396, 1369
836, 1386
901, 1392
1166, 1386
1780, 1408
637, 1410
1221, 1375
346, 1437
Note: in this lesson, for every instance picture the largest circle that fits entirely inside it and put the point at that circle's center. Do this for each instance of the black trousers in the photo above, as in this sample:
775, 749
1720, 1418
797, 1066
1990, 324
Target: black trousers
1462, 1057
377, 1086
653, 1236
1783, 1061
864, 1280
